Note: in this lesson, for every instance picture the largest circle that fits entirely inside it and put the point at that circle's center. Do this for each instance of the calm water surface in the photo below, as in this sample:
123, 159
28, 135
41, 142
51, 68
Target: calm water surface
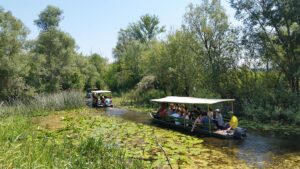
258, 148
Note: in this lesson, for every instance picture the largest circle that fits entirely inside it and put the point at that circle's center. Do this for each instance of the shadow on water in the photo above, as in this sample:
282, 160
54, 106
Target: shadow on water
257, 149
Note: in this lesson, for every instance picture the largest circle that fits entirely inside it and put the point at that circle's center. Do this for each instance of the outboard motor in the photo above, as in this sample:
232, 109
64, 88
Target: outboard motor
239, 133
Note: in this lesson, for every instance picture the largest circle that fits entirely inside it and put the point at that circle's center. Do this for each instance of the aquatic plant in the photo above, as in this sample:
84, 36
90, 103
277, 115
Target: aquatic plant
139, 142
89, 138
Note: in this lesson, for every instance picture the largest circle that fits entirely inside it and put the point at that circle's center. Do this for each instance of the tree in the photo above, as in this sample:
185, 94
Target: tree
49, 18
132, 42
146, 28
215, 39
56, 50
12, 62
129, 65
275, 25
175, 65
97, 69
142, 31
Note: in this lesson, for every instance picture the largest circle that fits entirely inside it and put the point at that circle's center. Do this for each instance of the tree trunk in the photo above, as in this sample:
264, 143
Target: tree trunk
186, 91
297, 86
294, 84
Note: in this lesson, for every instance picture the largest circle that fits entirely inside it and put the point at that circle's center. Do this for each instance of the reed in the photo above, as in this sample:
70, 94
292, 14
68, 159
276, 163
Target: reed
41, 104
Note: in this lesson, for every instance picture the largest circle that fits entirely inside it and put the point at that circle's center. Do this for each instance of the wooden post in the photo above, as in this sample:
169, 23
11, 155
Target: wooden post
208, 119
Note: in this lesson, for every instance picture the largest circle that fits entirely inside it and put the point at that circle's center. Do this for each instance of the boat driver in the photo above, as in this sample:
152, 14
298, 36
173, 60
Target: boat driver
233, 123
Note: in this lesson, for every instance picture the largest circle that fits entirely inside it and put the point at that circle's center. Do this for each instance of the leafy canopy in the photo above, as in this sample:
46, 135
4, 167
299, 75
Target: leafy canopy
49, 18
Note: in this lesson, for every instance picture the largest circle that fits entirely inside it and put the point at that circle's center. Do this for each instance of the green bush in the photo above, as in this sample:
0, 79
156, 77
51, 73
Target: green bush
143, 97
269, 114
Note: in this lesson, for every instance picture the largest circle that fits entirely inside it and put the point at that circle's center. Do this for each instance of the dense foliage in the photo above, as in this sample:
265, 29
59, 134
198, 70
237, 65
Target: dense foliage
256, 63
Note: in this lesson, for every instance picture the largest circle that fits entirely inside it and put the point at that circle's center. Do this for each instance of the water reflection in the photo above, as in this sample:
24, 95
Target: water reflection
258, 149
128, 115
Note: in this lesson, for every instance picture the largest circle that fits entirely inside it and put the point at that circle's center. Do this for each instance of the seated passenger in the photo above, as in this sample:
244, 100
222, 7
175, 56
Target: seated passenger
107, 101
162, 112
178, 110
95, 100
195, 114
171, 110
205, 118
219, 119
102, 98
233, 124
185, 116
177, 116
198, 120
205, 121
210, 114
194, 109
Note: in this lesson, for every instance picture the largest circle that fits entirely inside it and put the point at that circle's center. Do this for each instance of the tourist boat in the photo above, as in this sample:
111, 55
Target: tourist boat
99, 98
238, 133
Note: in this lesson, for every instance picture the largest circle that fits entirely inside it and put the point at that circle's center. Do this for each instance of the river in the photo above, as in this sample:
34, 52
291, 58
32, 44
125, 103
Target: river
258, 149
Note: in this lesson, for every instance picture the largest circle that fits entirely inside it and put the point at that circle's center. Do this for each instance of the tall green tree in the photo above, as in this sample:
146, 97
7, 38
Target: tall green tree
132, 42
275, 26
175, 66
49, 18
56, 50
146, 28
12, 57
215, 39
98, 67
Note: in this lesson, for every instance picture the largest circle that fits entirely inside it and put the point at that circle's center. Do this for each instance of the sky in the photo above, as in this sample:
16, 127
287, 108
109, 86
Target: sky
94, 24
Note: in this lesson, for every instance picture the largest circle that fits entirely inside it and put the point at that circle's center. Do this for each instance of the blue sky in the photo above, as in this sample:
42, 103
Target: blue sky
94, 24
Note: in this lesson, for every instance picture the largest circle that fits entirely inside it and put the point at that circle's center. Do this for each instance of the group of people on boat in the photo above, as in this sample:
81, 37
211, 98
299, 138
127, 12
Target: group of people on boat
180, 115
103, 100
175, 111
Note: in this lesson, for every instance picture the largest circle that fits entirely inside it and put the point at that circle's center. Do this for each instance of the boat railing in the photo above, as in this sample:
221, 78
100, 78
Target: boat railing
189, 123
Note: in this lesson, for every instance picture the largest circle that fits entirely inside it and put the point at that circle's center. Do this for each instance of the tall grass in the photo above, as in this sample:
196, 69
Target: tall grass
23, 145
48, 153
44, 103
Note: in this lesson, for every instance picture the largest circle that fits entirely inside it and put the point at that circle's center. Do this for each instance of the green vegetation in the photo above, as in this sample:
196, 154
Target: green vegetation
285, 129
140, 142
257, 63
87, 138
42, 134
44, 103
29, 140
133, 105
23, 145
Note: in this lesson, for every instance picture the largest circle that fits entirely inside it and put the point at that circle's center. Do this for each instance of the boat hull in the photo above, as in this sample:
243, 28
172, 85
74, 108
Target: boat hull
187, 129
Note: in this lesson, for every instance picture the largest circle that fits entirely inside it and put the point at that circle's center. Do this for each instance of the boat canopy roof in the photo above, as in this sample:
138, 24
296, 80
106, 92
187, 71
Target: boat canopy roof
190, 100
101, 91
